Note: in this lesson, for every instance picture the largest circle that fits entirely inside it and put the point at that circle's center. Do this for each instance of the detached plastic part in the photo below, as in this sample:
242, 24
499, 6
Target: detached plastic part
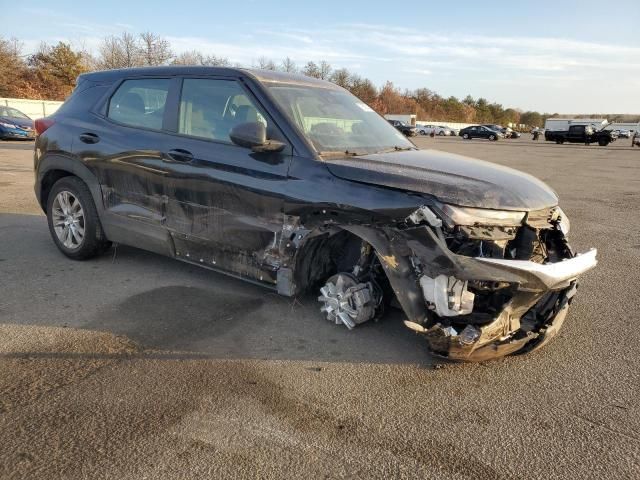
448, 295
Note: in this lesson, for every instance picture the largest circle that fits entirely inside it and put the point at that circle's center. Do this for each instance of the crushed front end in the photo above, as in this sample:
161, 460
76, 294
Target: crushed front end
489, 283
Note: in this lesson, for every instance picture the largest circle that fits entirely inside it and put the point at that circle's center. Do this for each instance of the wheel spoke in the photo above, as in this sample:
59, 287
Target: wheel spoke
68, 242
64, 202
76, 236
76, 207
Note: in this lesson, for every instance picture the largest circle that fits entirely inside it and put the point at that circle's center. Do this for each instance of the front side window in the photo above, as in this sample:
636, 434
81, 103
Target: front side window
140, 102
210, 108
336, 121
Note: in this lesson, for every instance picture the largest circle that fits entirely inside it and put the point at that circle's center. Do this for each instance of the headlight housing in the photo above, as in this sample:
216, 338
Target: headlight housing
466, 216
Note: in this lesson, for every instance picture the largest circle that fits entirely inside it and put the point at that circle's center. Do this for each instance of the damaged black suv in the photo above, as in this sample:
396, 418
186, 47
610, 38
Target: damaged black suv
296, 184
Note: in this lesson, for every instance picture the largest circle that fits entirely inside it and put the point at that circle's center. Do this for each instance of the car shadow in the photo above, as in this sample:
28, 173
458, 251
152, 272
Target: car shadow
164, 306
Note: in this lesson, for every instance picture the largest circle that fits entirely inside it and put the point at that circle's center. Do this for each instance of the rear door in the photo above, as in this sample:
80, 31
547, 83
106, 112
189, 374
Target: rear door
225, 202
123, 145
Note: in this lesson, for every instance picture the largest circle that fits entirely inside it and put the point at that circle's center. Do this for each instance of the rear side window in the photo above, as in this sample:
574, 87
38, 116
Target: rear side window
140, 103
210, 108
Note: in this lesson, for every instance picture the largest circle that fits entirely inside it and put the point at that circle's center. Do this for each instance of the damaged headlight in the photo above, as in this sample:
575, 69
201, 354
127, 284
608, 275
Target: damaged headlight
465, 216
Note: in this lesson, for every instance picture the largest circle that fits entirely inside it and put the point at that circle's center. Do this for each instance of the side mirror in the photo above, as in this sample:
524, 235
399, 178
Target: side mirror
253, 135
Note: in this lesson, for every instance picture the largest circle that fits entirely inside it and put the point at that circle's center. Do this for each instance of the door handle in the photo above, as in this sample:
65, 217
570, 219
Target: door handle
89, 138
180, 155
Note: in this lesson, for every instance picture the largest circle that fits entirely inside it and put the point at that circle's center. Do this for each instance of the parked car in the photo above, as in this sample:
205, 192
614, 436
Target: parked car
635, 141
480, 131
407, 130
436, 129
506, 131
622, 133
443, 131
586, 134
15, 125
212, 167
425, 129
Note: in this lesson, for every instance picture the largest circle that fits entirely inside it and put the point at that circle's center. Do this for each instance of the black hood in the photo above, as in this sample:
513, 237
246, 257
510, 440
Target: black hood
450, 178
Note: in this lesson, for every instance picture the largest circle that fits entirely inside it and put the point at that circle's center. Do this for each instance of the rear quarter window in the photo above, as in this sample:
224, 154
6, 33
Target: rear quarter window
140, 102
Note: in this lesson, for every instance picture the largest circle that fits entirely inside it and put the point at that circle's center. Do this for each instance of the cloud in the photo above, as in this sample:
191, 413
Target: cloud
456, 63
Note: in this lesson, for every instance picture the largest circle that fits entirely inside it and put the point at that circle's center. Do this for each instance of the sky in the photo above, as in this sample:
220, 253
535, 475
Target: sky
551, 56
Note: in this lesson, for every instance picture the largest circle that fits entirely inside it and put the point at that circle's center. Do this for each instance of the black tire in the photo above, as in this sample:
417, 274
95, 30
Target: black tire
93, 241
603, 142
441, 133
493, 138
466, 136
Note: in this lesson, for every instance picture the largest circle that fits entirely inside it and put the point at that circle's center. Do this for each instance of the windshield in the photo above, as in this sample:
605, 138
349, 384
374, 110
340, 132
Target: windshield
337, 122
11, 112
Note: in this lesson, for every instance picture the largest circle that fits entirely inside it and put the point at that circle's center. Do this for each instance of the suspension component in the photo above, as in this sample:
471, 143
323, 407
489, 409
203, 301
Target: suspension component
346, 301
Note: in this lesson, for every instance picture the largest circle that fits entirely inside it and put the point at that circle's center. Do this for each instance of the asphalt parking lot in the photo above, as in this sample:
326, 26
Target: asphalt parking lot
136, 366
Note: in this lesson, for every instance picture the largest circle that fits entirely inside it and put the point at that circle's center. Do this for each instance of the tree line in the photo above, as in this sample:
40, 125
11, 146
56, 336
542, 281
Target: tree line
50, 74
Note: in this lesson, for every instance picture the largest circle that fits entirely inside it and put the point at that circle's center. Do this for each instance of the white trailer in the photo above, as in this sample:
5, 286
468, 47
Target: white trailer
565, 123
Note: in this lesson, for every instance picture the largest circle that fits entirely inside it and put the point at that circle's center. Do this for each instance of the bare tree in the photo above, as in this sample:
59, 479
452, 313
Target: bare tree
154, 49
324, 70
120, 52
215, 61
289, 66
193, 57
265, 64
341, 77
311, 70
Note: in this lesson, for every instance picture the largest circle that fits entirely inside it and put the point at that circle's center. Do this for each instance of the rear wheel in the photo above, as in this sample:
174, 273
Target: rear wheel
441, 134
603, 142
465, 136
73, 220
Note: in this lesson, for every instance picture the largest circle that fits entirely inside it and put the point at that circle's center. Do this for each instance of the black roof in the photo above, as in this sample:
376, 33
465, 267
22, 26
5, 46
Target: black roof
267, 76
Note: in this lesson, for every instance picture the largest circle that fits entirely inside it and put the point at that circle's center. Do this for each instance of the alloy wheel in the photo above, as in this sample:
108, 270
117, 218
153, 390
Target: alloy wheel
68, 220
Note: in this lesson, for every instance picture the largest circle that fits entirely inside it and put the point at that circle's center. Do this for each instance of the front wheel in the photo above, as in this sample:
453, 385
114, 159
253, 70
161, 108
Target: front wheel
602, 142
493, 138
73, 220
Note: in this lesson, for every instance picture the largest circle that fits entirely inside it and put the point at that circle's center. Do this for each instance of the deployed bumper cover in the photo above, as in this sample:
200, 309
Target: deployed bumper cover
531, 315
529, 320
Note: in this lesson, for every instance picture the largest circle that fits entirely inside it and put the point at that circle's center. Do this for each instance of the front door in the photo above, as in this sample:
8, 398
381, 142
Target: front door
225, 202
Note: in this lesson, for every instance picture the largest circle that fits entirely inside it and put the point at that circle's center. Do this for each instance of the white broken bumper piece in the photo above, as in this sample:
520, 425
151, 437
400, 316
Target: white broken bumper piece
553, 276
447, 296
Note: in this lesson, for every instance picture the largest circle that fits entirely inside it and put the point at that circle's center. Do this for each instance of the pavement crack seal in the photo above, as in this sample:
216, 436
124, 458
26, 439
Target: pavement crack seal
602, 425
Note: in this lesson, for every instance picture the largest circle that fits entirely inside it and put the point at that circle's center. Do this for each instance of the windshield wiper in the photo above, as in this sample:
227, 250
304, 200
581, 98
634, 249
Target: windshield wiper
396, 149
341, 153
